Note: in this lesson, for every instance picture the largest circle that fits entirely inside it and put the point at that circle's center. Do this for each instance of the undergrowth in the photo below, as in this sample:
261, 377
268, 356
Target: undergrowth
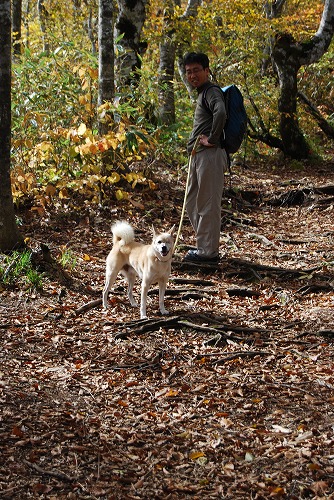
17, 268
56, 145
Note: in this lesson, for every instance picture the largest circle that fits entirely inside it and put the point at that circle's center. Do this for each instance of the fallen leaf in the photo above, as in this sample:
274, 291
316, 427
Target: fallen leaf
279, 428
196, 454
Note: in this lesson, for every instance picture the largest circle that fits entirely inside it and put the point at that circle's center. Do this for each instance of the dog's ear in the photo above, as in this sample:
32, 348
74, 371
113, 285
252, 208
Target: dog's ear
172, 231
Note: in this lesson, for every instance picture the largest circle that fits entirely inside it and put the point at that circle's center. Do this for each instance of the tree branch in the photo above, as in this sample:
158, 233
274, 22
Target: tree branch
325, 126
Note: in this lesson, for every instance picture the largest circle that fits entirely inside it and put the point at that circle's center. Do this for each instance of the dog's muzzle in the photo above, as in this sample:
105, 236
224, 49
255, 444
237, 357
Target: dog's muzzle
164, 251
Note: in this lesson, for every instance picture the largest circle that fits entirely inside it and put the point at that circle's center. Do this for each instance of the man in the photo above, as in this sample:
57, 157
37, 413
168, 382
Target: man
206, 179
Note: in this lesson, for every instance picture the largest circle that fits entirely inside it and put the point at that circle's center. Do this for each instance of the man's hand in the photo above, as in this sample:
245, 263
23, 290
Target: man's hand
204, 141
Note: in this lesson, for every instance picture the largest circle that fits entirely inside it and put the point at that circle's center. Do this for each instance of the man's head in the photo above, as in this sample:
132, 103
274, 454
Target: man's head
197, 68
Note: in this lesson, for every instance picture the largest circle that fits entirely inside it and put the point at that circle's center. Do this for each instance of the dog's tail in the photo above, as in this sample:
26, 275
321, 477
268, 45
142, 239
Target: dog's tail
123, 233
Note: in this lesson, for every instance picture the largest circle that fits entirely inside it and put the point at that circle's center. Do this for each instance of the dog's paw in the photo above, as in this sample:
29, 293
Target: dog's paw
164, 312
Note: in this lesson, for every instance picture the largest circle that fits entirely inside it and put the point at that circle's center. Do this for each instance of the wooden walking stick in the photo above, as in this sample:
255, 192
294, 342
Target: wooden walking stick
191, 156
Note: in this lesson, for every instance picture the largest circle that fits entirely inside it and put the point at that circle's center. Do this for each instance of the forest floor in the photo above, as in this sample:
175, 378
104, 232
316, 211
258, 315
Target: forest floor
230, 396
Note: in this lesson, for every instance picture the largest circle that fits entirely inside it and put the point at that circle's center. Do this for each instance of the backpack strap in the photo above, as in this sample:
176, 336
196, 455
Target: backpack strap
206, 104
204, 99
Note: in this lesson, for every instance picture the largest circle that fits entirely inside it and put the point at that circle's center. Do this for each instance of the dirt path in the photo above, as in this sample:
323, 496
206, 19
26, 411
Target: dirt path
229, 397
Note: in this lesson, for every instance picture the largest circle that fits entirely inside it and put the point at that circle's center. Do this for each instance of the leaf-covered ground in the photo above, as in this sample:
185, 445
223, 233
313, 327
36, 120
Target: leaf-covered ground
230, 396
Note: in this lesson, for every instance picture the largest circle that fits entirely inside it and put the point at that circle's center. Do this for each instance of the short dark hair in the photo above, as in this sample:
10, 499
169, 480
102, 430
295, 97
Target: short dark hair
196, 57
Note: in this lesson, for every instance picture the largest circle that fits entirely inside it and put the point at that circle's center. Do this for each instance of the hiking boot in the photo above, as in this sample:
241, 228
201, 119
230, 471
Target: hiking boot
194, 256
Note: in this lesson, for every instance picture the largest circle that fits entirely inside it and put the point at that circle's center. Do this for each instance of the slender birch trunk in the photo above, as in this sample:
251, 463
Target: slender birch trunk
16, 28
106, 56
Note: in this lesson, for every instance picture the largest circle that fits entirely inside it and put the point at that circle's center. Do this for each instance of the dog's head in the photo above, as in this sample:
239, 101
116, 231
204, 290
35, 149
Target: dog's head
163, 243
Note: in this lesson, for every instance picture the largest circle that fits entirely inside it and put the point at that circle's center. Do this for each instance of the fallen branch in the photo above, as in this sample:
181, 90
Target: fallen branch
314, 288
189, 281
89, 305
241, 354
58, 475
327, 189
185, 293
192, 266
242, 292
324, 124
154, 362
326, 333
321, 333
208, 329
292, 241
262, 239
255, 266
12, 490
289, 386
177, 322
150, 325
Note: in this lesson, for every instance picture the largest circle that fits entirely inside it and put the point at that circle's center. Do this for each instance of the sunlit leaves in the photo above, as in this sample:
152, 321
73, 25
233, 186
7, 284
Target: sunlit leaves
22, 184
58, 141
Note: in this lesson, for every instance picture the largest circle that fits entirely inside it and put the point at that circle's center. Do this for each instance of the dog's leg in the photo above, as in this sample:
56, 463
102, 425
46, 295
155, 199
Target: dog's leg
130, 275
162, 290
110, 280
145, 285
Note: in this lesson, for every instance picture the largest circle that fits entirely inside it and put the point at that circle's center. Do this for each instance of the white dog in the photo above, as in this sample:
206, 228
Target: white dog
152, 263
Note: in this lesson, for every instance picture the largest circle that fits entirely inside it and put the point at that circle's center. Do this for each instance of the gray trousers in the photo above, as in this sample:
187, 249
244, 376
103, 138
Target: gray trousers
203, 205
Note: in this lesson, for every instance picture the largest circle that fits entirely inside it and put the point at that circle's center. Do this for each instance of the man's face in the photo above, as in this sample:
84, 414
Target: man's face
196, 74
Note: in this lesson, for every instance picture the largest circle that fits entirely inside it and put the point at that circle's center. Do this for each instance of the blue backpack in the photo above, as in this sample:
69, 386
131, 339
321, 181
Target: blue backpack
236, 121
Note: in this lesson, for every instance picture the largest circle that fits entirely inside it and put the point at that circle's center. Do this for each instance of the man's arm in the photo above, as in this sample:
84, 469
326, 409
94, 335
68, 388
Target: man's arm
216, 105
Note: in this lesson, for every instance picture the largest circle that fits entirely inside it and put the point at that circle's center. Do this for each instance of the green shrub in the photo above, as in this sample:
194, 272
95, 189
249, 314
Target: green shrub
17, 268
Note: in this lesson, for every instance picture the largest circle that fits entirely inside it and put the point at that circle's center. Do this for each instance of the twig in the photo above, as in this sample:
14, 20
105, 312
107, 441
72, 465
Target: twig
242, 292
58, 475
190, 281
208, 329
185, 292
322, 333
150, 325
289, 386
203, 266
89, 305
10, 491
242, 354
133, 366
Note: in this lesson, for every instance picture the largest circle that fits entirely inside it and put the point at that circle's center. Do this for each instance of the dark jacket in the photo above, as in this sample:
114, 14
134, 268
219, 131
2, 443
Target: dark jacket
210, 123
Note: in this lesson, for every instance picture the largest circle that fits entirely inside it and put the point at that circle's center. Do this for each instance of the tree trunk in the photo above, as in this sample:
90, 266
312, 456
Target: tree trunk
166, 84
17, 32
26, 9
166, 69
10, 237
43, 18
272, 10
128, 28
106, 70
91, 32
189, 16
167, 60
106, 57
288, 56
